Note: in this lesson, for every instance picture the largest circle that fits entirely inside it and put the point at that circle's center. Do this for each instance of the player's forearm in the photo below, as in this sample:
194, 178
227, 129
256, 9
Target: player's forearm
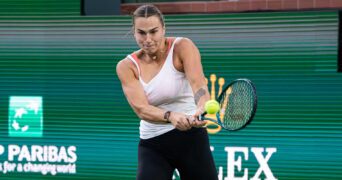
151, 114
201, 96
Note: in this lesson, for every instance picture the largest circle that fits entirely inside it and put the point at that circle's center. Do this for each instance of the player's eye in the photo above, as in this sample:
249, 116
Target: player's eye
141, 32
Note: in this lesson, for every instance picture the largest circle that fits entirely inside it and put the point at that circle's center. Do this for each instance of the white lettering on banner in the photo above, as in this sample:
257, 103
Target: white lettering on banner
72, 154
24, 153
2, 149
46, 168
220, 174
20, 167
8, 167
45, 154
62, 155
12, 151
37, 153
263, 163
53, 154
42, 154
232, 163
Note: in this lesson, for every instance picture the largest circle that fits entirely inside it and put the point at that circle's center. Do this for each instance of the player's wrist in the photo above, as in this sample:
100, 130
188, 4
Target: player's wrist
167, 115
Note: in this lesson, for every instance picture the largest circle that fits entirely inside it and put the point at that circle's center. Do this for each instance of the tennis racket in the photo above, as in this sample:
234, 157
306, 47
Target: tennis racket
238, 103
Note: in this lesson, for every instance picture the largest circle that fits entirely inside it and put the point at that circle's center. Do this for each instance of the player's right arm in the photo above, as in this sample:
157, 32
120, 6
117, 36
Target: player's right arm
135, 95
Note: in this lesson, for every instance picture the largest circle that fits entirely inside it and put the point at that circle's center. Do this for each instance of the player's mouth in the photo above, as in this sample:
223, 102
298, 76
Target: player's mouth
149, 46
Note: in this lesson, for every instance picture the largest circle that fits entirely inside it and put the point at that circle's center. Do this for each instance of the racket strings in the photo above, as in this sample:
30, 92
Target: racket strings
237, 105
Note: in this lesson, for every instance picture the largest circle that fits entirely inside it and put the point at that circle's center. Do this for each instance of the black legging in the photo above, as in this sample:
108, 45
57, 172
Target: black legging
188, 151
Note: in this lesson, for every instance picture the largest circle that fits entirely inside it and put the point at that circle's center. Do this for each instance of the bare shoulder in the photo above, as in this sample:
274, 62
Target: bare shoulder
122, 65
183, 43
125, 67
185, 52
184, 48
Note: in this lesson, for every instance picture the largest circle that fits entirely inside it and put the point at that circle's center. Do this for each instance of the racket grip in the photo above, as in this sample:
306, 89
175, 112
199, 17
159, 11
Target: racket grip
201, 117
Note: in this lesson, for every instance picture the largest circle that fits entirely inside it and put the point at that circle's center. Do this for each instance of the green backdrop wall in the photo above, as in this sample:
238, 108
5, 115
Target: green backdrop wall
67, 63
21, 8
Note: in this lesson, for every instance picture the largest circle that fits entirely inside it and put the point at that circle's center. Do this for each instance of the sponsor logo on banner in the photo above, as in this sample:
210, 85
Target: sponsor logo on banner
212, 127
234, 162
26, 120
237, 156
25, 117
38, 159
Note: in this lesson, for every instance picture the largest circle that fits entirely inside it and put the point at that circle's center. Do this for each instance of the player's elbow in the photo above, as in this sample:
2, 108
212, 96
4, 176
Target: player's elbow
141, 111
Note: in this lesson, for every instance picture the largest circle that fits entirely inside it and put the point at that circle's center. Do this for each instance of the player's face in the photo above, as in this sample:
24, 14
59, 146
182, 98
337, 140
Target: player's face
149, 33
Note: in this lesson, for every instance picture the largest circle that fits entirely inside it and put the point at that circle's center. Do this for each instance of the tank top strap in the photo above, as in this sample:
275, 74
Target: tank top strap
168, 49
174, 42
171, 40
133, 57
169, 59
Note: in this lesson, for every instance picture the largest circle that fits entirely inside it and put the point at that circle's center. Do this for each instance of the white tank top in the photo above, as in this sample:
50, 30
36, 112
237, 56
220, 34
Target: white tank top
169, 90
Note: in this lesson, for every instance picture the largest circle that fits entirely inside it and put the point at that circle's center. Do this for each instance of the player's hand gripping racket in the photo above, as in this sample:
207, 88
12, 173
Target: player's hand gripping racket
238, 103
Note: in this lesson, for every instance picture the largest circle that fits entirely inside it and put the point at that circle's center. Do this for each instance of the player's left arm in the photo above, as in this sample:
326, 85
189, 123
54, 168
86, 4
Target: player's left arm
190, 60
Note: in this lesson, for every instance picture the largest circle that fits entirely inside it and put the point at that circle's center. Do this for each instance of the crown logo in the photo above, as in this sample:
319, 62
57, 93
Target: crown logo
212, 127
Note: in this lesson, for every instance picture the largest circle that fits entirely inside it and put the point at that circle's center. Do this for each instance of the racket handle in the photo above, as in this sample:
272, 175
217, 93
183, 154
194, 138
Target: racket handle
201, 117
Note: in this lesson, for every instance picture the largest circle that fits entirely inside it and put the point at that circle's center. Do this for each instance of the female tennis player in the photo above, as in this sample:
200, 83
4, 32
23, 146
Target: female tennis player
164, 84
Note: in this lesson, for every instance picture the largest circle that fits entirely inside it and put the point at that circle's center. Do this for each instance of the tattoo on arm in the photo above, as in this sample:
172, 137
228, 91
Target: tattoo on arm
199, 94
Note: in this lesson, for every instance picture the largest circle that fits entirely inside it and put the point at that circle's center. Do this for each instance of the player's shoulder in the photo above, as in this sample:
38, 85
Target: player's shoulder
183, 42
184, 45
123, 65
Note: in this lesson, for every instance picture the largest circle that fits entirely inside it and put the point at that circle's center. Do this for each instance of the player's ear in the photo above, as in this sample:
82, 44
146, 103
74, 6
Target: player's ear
164, 30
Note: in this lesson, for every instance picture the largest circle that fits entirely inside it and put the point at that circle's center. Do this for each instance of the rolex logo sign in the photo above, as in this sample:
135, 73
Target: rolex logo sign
211, 126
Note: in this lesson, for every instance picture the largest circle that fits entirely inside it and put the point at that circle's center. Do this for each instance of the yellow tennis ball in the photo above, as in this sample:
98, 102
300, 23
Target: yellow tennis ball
212, 107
